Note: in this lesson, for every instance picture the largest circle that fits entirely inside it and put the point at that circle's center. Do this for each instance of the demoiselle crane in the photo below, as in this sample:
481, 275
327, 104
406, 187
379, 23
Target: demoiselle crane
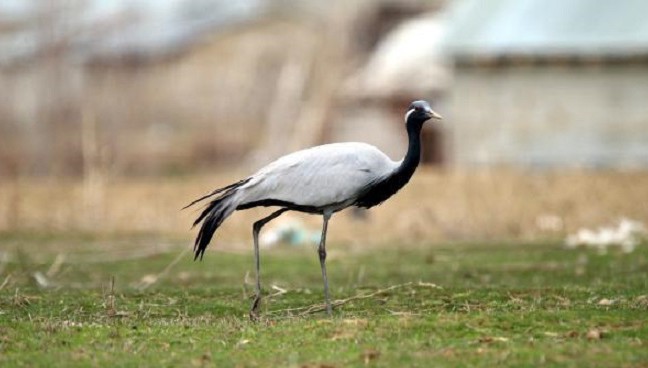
319, 180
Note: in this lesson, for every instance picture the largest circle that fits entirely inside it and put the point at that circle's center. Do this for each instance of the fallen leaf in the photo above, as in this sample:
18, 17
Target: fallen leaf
489, 339
429, 284
594, 334
242, 343
41, 280
572, 334
605, 301
370, 355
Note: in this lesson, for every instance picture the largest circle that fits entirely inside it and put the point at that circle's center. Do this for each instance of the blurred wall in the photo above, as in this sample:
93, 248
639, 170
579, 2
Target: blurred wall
549, 82
594, 116
117, 98
204, 106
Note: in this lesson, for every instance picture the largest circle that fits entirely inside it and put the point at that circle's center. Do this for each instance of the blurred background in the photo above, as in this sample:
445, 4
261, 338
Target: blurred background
114, 114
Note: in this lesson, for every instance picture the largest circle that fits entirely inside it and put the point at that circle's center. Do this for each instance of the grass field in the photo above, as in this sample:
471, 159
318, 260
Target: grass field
429, 305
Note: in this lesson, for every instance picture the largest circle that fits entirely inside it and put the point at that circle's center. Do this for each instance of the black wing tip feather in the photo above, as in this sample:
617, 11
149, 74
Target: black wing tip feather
198, 255
205, 234
216, 191
199, 251
211, 217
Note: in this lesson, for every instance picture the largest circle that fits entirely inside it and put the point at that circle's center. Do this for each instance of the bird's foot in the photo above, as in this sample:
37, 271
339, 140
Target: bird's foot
254, 317
254, 310
329, 310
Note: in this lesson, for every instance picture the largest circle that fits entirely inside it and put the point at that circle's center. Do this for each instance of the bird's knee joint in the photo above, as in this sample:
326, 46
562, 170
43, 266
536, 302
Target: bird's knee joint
322, 254
256, 228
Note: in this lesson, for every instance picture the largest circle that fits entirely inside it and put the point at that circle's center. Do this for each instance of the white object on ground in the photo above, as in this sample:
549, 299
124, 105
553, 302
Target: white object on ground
626, 235
288, 230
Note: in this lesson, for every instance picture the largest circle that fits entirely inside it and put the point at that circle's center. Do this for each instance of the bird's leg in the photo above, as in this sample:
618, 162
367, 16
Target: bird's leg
256, 228
322, 257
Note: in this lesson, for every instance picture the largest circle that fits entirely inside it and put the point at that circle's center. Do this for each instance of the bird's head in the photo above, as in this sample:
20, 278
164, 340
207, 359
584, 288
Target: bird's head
420, 111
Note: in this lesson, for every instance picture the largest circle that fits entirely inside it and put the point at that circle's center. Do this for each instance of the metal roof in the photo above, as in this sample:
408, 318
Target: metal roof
491, 28
410, 52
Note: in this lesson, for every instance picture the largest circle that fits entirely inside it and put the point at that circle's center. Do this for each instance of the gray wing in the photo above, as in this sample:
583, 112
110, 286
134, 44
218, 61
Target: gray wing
320, 176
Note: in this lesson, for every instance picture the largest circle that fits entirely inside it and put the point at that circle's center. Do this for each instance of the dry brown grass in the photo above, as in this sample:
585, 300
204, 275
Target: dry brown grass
438, 205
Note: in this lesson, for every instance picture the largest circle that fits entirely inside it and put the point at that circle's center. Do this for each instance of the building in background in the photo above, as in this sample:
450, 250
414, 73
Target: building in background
406, 64
146, 87
135, 87
549, 83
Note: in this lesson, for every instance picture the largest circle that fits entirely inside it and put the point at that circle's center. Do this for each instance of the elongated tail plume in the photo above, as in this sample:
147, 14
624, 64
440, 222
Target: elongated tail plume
216, 191
214, 214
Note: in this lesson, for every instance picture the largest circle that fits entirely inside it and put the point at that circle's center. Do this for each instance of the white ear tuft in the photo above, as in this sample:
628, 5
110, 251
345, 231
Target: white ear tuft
409, 112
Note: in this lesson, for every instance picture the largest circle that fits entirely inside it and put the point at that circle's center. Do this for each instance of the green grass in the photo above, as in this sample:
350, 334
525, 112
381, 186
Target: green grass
496, 305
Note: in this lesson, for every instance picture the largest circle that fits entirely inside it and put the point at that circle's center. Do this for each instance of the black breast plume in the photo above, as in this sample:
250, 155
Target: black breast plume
386, 187
382, 190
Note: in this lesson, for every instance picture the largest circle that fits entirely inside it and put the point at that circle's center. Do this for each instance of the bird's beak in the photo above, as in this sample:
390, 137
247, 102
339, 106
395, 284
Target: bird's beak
431, 114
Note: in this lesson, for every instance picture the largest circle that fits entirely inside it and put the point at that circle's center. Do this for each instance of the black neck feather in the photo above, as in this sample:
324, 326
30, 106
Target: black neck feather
413, 155
384, 189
